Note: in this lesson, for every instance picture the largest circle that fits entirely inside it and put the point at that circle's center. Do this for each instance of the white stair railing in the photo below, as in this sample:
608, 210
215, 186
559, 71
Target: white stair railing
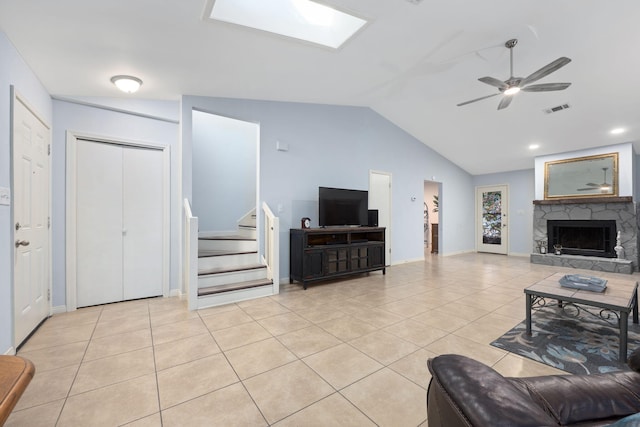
272, 246
190, 257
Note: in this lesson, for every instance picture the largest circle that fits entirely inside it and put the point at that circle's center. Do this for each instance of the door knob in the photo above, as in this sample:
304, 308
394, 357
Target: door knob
22, 243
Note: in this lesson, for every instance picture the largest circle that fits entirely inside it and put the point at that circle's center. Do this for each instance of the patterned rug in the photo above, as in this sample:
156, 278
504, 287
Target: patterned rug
579, 345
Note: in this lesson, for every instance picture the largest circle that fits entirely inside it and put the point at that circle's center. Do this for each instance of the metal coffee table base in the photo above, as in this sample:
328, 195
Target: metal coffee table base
538, 294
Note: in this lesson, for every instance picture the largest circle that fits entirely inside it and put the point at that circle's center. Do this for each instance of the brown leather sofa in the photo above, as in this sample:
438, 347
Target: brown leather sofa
465, 392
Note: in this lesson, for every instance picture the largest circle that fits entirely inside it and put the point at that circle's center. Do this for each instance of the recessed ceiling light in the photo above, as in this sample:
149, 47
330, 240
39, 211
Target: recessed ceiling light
127, 84
301, 19
617, 131
534, 146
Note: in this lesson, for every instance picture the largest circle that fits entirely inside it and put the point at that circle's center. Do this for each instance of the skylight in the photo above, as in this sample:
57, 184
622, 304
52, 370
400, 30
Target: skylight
300, 19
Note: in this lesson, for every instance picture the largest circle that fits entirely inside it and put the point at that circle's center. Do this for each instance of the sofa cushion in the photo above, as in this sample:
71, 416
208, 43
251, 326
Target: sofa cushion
479, 396
576, 398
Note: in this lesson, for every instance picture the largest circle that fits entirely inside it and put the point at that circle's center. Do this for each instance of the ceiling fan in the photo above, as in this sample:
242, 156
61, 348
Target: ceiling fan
513, 85
604, 187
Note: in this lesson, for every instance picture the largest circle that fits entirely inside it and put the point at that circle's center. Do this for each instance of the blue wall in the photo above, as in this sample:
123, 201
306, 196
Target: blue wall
520, 214
337, 146
224, 171
13, 71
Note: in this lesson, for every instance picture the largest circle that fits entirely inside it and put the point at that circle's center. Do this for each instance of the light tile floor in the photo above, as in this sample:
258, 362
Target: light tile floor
342, 353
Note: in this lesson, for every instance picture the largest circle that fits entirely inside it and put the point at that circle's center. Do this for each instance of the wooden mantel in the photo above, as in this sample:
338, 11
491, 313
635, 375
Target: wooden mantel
583, 200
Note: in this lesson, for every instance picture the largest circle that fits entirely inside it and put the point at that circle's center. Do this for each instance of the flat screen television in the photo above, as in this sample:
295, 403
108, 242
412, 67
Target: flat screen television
342, 207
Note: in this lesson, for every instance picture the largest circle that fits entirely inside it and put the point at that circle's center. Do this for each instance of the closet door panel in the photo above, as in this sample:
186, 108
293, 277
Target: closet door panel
99, 223
143, 222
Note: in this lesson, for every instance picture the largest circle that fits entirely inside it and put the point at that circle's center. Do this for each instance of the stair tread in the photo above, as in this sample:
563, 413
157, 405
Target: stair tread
230, 269
202, 253
210, 290
227, 237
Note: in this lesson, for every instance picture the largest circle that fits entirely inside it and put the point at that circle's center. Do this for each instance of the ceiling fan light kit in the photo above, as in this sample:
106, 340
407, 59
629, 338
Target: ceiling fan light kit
508, 88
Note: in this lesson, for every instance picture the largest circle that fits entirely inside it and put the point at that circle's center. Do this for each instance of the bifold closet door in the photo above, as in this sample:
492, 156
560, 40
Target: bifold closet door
142, 222
119, 223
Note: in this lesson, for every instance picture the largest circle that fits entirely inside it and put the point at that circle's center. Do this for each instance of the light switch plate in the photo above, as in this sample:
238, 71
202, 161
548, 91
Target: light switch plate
5, 196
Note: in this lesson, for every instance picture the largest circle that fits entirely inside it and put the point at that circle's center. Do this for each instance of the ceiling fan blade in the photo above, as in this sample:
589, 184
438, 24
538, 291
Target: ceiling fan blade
587, 189
591, 184
546, 87
477, 99
494, 82
545, 71
504, 103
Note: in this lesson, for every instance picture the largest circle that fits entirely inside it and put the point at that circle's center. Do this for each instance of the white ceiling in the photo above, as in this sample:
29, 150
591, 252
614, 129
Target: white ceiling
412, 64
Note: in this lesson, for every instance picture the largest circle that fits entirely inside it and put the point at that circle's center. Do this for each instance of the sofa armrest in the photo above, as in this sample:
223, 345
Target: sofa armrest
465, 392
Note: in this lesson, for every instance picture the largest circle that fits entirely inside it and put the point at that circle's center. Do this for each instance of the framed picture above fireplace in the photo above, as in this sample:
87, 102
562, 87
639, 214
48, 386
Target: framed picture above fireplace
590, 176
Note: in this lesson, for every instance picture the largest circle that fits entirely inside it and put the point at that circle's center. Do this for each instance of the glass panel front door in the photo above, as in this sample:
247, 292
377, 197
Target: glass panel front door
492, 218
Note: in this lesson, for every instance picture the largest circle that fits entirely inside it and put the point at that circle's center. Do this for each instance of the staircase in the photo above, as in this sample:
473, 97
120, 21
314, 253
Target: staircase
229, 266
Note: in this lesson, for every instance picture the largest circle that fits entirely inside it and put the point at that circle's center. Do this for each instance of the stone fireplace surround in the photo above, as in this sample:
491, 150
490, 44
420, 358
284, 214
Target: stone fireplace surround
621, 209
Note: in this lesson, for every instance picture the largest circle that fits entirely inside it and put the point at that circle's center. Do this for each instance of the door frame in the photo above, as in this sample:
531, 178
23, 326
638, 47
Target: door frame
72, 138
388, 232
504, 246
16, 96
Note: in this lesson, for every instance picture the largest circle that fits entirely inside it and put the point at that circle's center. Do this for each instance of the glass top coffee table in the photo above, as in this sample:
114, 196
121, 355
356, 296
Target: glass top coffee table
618, 300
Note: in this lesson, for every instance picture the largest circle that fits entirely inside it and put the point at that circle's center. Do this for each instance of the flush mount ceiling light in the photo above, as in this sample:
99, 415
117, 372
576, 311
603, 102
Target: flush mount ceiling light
534, 146
127, 84
617, 131
301, 19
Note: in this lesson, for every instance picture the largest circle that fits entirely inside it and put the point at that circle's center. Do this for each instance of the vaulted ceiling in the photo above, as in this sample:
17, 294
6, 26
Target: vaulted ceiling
412, 63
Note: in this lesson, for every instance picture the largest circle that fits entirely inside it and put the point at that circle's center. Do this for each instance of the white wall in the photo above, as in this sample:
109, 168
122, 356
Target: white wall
116, 125
336, 146
520, 214
224, 170
626, 158
13, 71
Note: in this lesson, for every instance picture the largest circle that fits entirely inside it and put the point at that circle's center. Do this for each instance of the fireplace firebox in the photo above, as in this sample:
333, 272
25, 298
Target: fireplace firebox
583, 237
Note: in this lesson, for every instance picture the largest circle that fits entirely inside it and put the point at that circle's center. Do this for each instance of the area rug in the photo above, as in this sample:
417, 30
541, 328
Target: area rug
579, 345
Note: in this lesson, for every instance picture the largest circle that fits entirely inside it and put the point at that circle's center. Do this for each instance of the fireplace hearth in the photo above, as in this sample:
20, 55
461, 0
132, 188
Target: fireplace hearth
583, 237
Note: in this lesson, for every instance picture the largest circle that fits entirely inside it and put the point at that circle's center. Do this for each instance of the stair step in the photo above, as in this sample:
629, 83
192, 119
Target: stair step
234, 287
226, 259
238, 244
228, 277
229, 269
204, 253
226, 237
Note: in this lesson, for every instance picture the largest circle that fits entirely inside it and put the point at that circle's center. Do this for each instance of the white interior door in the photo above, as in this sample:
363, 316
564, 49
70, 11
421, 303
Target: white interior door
491, 218
31, 220
380, 199
142, 222
99, 223
119, 222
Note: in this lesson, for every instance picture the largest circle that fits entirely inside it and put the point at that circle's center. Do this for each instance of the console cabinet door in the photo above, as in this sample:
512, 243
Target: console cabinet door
313, 264
359, 258
376, 256
337, 260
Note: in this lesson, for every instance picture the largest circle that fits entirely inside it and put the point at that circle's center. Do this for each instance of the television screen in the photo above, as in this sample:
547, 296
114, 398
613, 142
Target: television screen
340, 207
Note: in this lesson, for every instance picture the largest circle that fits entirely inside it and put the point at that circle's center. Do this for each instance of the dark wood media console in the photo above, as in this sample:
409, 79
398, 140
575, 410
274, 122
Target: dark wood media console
326, 253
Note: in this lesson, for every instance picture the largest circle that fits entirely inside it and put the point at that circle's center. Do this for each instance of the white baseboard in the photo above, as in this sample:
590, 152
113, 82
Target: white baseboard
175, 293
406, 261
10, 352
59, 309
